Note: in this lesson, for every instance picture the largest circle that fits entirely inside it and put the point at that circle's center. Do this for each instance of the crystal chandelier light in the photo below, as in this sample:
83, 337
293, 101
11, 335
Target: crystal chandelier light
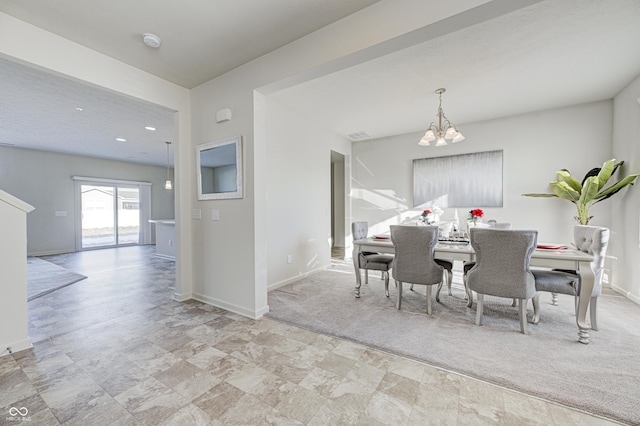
442, 130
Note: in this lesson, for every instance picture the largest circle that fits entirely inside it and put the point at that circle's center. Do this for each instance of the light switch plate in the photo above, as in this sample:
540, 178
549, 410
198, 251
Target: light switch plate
61, 213
215, 214
196, 214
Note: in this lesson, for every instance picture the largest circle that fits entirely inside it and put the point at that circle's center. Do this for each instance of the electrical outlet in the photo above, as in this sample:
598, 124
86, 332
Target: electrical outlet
170, 243
289, 258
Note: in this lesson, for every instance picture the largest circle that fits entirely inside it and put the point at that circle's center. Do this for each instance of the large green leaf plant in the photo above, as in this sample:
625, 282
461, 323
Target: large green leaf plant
590, 191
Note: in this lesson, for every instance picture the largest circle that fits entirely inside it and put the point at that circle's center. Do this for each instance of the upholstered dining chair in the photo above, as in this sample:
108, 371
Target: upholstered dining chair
589, 239
502, 267
466, 267
370, 260
413, 262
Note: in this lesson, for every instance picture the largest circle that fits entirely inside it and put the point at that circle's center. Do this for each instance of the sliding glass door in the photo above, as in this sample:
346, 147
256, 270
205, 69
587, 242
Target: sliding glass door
110, 215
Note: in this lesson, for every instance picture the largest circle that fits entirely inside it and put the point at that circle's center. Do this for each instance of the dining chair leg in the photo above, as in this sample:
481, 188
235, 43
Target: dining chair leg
429, 295
522, 305
386, 283
399, 299
513, 303
468, 292
593, 304
438, 291
536, 308
449, 281
411, 287
366, 276
479, 307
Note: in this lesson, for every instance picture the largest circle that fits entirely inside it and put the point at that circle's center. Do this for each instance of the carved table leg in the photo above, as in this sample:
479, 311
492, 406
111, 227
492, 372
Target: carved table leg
586, 287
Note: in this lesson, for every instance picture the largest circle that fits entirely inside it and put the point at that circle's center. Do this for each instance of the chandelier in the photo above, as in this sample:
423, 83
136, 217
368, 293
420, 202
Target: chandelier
442, 130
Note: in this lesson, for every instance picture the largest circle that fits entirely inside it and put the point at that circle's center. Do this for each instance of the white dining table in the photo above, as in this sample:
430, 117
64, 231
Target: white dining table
568, 258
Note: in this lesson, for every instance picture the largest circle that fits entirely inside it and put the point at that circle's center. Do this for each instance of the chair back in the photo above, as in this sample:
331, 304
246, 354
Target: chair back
502, 262
359, 230
593, 240
414, 247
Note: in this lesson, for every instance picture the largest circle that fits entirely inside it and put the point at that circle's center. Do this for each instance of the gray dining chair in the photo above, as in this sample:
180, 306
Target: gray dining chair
466, 267
371, 260
414, 262
502, 267
589, 239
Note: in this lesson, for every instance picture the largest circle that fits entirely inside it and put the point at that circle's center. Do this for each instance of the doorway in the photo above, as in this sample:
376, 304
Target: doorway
110, 216
338, 216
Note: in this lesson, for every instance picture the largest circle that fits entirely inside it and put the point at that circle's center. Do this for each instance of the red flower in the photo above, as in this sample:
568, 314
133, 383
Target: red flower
475, 213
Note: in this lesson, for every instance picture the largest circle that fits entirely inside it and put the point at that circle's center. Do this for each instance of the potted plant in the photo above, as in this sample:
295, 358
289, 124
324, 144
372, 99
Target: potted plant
590, 191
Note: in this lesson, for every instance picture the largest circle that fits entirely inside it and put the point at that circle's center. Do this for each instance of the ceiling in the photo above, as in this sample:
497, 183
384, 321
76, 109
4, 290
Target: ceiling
550, 54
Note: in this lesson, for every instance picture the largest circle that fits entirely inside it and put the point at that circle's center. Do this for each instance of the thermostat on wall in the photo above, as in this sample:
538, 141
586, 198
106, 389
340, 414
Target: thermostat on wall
223, 115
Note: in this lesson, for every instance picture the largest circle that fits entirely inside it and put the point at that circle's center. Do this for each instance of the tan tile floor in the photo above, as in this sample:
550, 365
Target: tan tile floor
116, 350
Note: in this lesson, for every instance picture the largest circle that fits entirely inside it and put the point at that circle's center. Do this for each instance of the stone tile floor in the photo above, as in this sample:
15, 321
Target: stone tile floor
115, 349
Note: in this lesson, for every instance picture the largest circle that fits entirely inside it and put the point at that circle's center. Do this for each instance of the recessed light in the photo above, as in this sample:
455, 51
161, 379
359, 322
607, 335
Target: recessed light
79, 109
121, 139
150, 128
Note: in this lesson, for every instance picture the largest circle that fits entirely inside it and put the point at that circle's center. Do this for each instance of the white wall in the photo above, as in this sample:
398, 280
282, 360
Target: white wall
625, 232
230, 259
534, 146
43, 179
298, 193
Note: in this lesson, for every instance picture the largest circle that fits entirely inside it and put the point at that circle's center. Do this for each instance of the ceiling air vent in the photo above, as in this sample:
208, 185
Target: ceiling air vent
359, 136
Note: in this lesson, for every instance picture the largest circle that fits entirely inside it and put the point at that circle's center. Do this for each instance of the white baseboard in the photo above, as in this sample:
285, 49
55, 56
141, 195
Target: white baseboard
18, 346
166, 256
625, 293
296, 278
241, 310
182, 297
50, 253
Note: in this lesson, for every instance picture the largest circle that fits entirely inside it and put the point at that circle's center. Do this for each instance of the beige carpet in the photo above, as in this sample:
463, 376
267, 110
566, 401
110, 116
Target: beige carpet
602, 378
44, 277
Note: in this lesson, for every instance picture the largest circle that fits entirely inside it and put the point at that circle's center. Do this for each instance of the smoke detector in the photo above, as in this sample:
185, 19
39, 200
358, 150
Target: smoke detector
151, 40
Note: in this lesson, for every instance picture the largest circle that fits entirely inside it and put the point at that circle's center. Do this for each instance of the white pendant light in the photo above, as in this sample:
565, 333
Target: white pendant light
167, 183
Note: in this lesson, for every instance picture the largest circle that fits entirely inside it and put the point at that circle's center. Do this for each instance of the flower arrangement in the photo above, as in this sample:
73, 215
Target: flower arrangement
426, 213
431, 215
475, 214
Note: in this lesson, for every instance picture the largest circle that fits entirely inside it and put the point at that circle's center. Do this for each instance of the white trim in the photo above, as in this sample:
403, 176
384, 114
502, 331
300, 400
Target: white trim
104, 180
239, 192
231, 307
166, 256
296, 278
625, 293
15, 202
16, 347
51, 252
182, 297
